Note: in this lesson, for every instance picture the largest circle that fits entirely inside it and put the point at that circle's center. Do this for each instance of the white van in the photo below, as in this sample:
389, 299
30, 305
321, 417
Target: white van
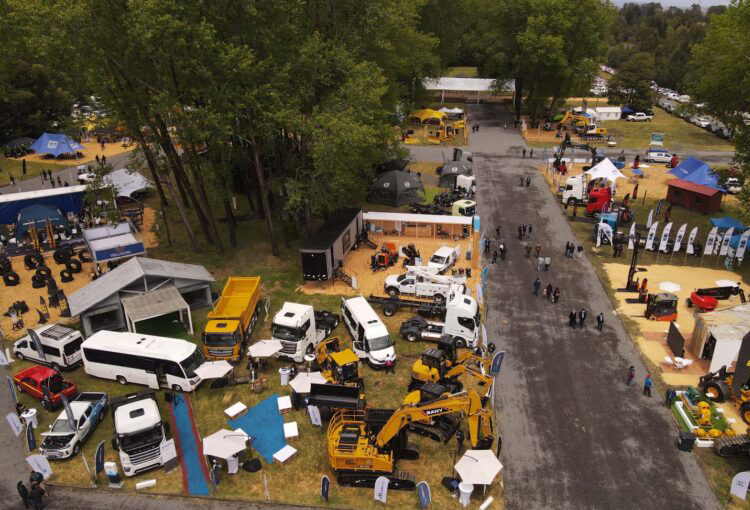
61, 346
370, 338
658, 156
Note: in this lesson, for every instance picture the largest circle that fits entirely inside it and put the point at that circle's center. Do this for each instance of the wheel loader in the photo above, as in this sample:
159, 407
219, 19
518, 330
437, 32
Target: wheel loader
436, 364
337, 365
364, 445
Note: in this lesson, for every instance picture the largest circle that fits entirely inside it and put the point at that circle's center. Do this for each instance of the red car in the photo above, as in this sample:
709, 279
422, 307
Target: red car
45, 384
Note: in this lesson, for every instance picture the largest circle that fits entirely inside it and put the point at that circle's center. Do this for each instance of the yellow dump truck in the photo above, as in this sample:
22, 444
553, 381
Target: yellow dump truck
230, 324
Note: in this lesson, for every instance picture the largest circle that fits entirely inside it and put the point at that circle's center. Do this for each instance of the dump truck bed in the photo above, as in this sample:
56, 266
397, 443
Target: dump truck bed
238, 299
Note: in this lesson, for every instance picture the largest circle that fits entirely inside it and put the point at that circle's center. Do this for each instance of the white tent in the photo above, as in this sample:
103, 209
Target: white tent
304, 381
478, 467
127, 182
225, 443
605, 169
451, 111
264, 348
214, 369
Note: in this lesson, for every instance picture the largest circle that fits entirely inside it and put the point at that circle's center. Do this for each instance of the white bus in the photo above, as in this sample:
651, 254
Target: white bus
155, 361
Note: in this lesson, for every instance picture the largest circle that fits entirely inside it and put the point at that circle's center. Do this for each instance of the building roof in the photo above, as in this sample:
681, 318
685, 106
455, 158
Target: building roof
691, 186
418, 218
466, 84
332, 229
608, 109
127, 273
730, 323
164, 300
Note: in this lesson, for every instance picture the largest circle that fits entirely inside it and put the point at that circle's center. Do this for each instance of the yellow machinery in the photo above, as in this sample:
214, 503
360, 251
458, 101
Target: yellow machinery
232, 320
437, 362
363, 445
338, 366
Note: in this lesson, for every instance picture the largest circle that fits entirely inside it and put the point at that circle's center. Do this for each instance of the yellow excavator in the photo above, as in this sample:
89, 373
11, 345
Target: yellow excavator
364, 445
337, 365
436, 365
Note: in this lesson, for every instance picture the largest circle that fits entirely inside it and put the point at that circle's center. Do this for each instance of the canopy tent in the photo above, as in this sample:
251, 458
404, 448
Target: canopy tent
478, 467
728, 222
704, 176
304, 381
225, 443
214, 369
605, 169
396, 189
626, 110
38, 215
687, 167
451, 111
67, 199
264, 348
18, 142
155, 303
113, 242
127, 183
427, 116
56, 144
450, 170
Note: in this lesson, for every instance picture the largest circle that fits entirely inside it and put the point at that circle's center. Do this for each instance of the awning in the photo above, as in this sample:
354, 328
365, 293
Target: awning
155, 303
213, 369
127, 182
225, 443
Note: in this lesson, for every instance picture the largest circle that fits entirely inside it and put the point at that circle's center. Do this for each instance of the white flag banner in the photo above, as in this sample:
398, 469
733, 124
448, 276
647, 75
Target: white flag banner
631, 237
740, 484
40, 464
651, 236
314, 413
381, 489
15, 423
665, 237
3, 359
680, 236
604, 230
650, 219
743, 244
691, 239
725, 241
710, 240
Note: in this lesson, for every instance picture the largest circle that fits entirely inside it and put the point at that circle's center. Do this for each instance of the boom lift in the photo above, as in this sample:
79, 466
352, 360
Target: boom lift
364, 445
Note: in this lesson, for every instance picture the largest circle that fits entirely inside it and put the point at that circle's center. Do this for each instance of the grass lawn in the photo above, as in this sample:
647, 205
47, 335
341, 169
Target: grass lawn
462, 72
298, 481
13, 166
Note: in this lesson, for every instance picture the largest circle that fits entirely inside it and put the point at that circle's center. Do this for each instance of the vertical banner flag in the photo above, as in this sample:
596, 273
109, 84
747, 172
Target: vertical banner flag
665, 237
37, 343
13, 389
325, 487
710, 240
604, 230
690, 249
314, 413
742, 245
69, 413
680, 236
651, 236
631, 237
725, 241
740, 484
381, 489
40, 464
99, 458
650, 220
15, 423
3, 359
423, 493
30, 439
658, 206
497, 363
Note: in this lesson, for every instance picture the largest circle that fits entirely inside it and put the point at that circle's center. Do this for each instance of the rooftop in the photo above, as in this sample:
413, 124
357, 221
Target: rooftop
691, 186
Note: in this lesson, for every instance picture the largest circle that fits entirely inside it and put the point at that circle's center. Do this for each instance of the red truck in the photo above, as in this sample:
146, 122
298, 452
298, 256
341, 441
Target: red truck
45, 384
597, 198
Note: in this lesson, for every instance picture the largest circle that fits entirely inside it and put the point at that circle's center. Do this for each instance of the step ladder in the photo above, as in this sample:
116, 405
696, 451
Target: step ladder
367, 242
339, 274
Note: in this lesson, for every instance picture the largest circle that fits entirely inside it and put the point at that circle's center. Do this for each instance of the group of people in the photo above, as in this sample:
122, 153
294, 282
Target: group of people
525, 181
579, 319
47, 176
525, 229
571, 250
550, 294
501, 248
531, 152
648, 381
35, 495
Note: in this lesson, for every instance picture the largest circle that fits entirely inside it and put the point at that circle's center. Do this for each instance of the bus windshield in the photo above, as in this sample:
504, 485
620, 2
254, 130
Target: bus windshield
192, 362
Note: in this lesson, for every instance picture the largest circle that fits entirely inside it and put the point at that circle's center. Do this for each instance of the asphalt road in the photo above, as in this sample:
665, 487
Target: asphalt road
575, 436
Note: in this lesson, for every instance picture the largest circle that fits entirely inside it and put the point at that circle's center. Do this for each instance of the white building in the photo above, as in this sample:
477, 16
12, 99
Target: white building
608, 113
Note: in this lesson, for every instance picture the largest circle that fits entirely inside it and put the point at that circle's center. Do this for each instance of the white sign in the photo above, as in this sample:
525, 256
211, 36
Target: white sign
168, 451
651, 236
604, 230
3, 359
631, 237
710, 241
742, 244
725, 241
665, 237
40, 464
680, 236
650, 219
381, 489
740, 484
691, 239
14, 423
314, 413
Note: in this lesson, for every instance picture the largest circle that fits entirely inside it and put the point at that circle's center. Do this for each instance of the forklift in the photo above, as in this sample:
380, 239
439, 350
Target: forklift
661, 307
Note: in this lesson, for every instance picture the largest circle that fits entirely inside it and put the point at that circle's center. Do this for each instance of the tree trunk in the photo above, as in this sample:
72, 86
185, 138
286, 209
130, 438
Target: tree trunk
231, 222
195, 170
166, 225
517, 99
264, 197
183, 215
151, 163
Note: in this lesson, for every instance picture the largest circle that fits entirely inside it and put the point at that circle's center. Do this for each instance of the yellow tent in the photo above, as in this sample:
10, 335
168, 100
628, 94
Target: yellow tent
428, 116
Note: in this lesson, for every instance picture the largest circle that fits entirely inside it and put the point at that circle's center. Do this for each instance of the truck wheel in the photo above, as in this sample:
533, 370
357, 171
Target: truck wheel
310, 349
76, 449
392, 291
689, 302
460, 342
120, 379
389, 311
745, 412
716, 391
571, 201
20, 356
336, 322
438, 298
411, 336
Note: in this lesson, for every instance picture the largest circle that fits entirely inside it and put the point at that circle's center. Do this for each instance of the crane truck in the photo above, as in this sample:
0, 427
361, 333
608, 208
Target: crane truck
232, 320
366, 444
425, 282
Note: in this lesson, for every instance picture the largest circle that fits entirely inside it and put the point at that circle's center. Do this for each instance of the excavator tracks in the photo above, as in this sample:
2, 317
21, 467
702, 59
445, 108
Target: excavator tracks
732, 446
442, 430
399, 480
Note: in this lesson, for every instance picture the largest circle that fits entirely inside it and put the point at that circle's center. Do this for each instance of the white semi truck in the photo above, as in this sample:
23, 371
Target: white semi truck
425, 283
140, 435
462, 322
300, 329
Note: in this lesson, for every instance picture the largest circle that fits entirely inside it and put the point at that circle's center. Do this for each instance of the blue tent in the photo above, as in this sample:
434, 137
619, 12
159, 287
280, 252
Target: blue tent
38, 215
728, 222
626, 110
696, 171
55, 144
687, 167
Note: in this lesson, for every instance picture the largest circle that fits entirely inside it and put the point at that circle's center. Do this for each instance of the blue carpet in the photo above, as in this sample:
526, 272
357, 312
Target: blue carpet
264, 423
190, 452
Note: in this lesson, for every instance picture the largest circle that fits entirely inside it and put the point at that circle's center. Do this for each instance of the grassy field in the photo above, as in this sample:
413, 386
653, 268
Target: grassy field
13, 166
298, 481
462, 72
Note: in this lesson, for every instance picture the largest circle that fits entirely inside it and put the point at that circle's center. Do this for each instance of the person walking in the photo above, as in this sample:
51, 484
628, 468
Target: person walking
528, 229
497, 231
539, 263
631, 375
494, 256
24, 493
547, 262
537, 284
52, 181
528, 250
520, 232
528, 181
486, 246
538, 249
531, 152
579, 253
548, 292
572, 319
12, 181
567, 248
648, 383
556, 295
600, 321
97, 159
502, 251
582, 316
390, 366
522, 181
524, 152
523, 229
36, 496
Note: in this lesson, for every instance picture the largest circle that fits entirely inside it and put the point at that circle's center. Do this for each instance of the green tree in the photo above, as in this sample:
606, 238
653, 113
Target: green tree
631, 86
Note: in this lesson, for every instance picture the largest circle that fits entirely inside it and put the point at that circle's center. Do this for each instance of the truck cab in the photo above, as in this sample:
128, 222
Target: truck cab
300, 329
139, 434
597, 199
371, 340
232, 320
575, 190
464, 208
462, 324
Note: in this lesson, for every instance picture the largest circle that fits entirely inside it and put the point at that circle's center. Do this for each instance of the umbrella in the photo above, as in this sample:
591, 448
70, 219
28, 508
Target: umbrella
301, 383
264, 348
478, 467
213, 369
669, 286
225, 443
726, 283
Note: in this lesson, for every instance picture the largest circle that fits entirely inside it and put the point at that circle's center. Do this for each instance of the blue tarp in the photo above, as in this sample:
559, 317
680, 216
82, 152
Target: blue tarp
67, 199
55, 144
696, 171
38, 215
728, 222
687, 167
626, 110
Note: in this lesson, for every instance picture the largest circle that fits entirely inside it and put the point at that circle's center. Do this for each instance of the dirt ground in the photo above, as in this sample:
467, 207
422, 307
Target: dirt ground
150, 239
91, 150
24, 292
357, 264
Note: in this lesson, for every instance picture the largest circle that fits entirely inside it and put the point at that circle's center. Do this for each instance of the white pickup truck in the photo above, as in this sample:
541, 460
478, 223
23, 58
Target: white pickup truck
640, 117
423, 283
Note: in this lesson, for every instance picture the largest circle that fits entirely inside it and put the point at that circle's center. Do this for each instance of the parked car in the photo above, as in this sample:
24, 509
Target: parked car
733, 185
640, 117
658, 156
45, 384
61, 346
61, 442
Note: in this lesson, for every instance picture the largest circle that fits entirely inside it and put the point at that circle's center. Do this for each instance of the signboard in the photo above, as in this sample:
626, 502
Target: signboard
30, 439
39, 464
665, 237
15, 423
12, 390
742, 245
657, 139
3, 359
325, 487
650, 220
497, 363
631, 237
314, 413
381, 489
680, 236
423, 493
651, 236
117, 252
725, 241
99, 458
689, 249
740, 484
